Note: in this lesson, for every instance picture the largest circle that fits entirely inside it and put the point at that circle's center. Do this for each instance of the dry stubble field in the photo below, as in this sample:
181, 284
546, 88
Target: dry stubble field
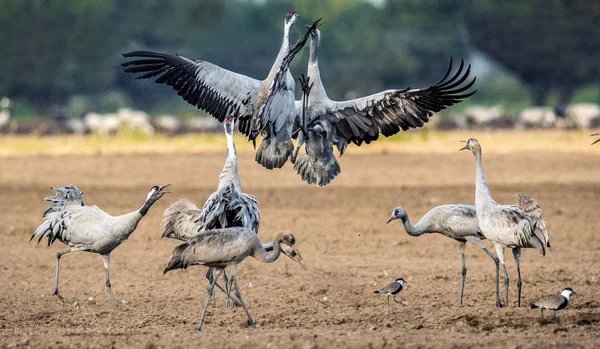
342, 234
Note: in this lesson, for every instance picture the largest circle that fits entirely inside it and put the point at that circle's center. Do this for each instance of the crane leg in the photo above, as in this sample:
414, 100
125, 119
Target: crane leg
477, 242
210, 276
106, 260
461, 247
58, 255
500, 253
517, 254
210, 292
239, 297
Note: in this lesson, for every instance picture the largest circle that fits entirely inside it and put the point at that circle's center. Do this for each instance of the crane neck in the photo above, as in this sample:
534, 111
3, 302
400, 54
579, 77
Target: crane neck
412, 230
482, 192
283, 51
318, 90
230, 169
268, 257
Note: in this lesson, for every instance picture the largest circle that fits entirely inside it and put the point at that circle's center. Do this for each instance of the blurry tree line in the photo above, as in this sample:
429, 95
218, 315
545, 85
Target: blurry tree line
57, 51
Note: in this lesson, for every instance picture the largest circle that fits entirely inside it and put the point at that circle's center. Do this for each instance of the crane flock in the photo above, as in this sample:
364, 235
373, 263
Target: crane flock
222, 234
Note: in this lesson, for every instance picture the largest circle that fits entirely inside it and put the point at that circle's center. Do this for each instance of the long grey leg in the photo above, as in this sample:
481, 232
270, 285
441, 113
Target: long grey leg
477, 242
106, 259
517, 254
239, 297
227, 290
210, 292
58, 255
461, 247
500, 253
210, 276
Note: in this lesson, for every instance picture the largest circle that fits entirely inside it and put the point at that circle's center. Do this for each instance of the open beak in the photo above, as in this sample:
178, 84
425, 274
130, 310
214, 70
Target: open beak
463, 148
597, 140
391, 219
298, 258
163, 187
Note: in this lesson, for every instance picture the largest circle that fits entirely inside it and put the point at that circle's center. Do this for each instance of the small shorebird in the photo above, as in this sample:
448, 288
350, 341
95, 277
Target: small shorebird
554, 303
392, 289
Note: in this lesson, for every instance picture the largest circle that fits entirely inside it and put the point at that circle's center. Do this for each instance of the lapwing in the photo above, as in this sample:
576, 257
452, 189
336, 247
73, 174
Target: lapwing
554, 303
392, 289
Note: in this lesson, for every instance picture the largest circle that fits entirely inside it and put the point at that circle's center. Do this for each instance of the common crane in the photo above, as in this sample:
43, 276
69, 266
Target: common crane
223, 249
226, 207
223, 94
361, 120
458, 222
88, 228
513, 226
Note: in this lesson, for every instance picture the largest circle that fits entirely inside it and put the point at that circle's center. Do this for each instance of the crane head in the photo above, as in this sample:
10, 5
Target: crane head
156, 192
291, 17
472, 145
398, 213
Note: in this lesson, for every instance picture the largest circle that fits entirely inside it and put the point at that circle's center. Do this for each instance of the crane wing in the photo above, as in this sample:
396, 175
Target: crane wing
387, 112
531, 208
207, 86
228, 208
180, 220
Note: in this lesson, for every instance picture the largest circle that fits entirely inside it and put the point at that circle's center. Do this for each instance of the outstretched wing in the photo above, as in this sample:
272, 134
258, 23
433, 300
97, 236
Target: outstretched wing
207, 86
363, 119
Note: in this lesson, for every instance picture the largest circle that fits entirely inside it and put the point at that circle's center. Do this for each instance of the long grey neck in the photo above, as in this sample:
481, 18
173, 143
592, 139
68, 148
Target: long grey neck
230, 169
318, 90
145, 207
283, 51
267, 257
482, 193
412, 230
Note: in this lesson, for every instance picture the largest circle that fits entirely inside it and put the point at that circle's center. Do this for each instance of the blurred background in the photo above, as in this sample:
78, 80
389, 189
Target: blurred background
537, 62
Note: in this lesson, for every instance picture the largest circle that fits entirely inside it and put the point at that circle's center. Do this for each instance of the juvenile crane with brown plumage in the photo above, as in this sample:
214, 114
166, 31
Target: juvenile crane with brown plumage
224, 249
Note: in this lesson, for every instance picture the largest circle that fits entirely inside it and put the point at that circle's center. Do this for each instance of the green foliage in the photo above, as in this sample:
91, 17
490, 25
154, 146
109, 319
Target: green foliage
551, 45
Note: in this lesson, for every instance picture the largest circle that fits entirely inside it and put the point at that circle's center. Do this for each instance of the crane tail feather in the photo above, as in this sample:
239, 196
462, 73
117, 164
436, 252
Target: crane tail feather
318, 172
273, 153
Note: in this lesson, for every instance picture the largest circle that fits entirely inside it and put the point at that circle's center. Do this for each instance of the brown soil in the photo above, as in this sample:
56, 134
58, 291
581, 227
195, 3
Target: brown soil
342, 234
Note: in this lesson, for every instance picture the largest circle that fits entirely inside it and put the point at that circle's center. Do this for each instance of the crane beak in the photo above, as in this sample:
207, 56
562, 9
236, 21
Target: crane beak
463, 148
163, 187
298, 258
597, 140
391, 219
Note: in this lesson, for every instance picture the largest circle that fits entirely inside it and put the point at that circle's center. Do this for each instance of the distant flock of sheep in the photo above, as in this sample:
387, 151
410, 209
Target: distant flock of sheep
575, 116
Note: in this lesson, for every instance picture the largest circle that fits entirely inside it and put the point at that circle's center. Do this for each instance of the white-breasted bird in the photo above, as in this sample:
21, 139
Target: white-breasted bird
392, 290
88, 228
513, 226
554, 303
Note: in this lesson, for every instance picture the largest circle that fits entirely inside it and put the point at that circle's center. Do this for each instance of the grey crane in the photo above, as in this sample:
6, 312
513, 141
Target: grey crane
554, 303
513, 226
458, 222
224, 94
223, 249
361, 120
88, 228
228, 206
